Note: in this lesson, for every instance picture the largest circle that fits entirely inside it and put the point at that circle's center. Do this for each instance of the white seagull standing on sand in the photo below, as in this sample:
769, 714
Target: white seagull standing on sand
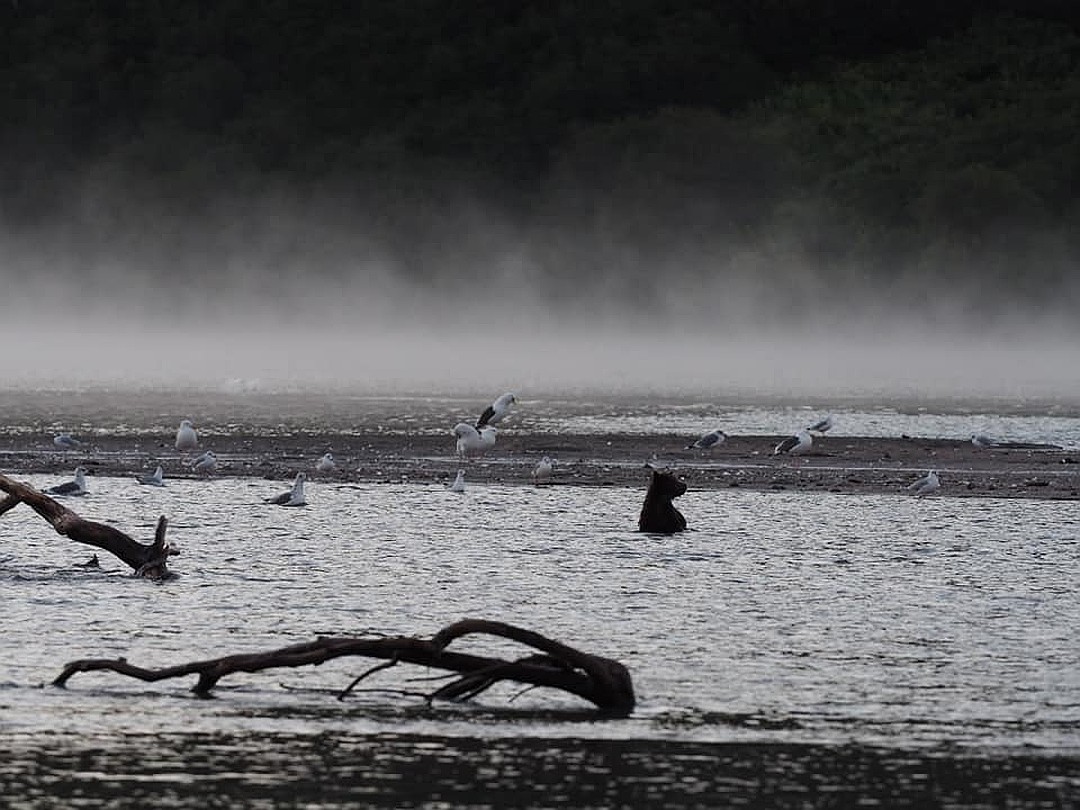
543, 471
496, 411
326, 463
458, 484
76, 487
796, 445
925, 485
822, 425
468, 439
186, 437
982, 441
206, 463
155, 479
65, 441
295, 496
471, 441
710, 441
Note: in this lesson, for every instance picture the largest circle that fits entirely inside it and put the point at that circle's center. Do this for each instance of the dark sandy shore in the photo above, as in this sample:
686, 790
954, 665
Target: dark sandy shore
837, 463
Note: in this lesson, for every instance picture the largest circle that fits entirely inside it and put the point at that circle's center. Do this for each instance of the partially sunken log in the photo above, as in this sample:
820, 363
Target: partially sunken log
146, 560
658, 513
602, 681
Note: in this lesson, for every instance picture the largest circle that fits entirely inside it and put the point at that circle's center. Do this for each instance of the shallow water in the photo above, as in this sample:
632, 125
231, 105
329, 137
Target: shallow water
791, 649
942, 421
155, 413
832, 620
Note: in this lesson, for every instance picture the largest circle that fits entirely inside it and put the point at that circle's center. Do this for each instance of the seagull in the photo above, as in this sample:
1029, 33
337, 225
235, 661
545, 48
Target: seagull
543, 470
822, 425
458, 484
186, 438
65, 441
487, 437
326, 463
795, 445
925, 485
982, 441
206, 463
468, 439
710, 441
154, 480
76, 487
295, 496
496, 411
471, 441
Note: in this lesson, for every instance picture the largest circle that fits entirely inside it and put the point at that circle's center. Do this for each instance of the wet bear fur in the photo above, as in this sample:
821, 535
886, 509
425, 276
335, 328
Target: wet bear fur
658, 514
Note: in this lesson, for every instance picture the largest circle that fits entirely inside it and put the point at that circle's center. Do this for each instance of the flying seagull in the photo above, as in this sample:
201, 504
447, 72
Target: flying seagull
73, 488
982, 441
795, 445
496, 411
925, 485
295, 496
822, 425
710, 441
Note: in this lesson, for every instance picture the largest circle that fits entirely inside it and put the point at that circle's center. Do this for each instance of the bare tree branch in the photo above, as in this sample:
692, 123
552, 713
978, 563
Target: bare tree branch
147, 560
602, 681
378, 667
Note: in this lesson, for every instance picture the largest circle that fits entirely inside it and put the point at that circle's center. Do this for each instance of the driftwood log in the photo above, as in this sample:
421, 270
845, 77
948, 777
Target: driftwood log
604, 682
146, 559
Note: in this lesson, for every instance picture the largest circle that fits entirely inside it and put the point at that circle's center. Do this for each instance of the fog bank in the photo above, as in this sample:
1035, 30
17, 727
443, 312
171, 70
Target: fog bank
455, 294
638, 360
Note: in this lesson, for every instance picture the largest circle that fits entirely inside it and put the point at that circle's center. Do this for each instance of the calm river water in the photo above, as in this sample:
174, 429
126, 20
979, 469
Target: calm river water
790, 650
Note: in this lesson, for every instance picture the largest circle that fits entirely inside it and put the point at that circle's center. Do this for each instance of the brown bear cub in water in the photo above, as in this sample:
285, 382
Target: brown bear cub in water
658, 514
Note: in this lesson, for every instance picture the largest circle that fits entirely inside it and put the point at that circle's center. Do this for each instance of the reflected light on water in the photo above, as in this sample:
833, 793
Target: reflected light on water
950, 620
788, 645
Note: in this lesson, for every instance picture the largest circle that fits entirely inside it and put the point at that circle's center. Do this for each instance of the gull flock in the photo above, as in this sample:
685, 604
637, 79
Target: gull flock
472, 440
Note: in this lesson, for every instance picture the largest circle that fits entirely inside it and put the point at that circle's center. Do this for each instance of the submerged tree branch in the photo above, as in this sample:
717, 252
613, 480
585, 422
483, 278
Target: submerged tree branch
370, 671
147, 560
603, 682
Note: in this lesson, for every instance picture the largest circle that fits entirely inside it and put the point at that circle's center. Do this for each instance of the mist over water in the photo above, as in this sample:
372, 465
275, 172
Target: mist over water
456, 296
537, 358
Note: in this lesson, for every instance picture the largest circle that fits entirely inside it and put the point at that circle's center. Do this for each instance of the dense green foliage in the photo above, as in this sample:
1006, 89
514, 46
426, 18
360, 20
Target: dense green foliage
855, 129
969, 134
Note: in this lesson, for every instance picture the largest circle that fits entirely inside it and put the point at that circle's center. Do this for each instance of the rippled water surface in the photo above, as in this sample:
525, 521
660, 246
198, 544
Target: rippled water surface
155, 413
790, 647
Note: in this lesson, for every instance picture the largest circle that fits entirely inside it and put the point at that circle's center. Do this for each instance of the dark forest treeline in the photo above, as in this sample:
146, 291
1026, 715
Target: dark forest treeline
878, 126
298, 86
